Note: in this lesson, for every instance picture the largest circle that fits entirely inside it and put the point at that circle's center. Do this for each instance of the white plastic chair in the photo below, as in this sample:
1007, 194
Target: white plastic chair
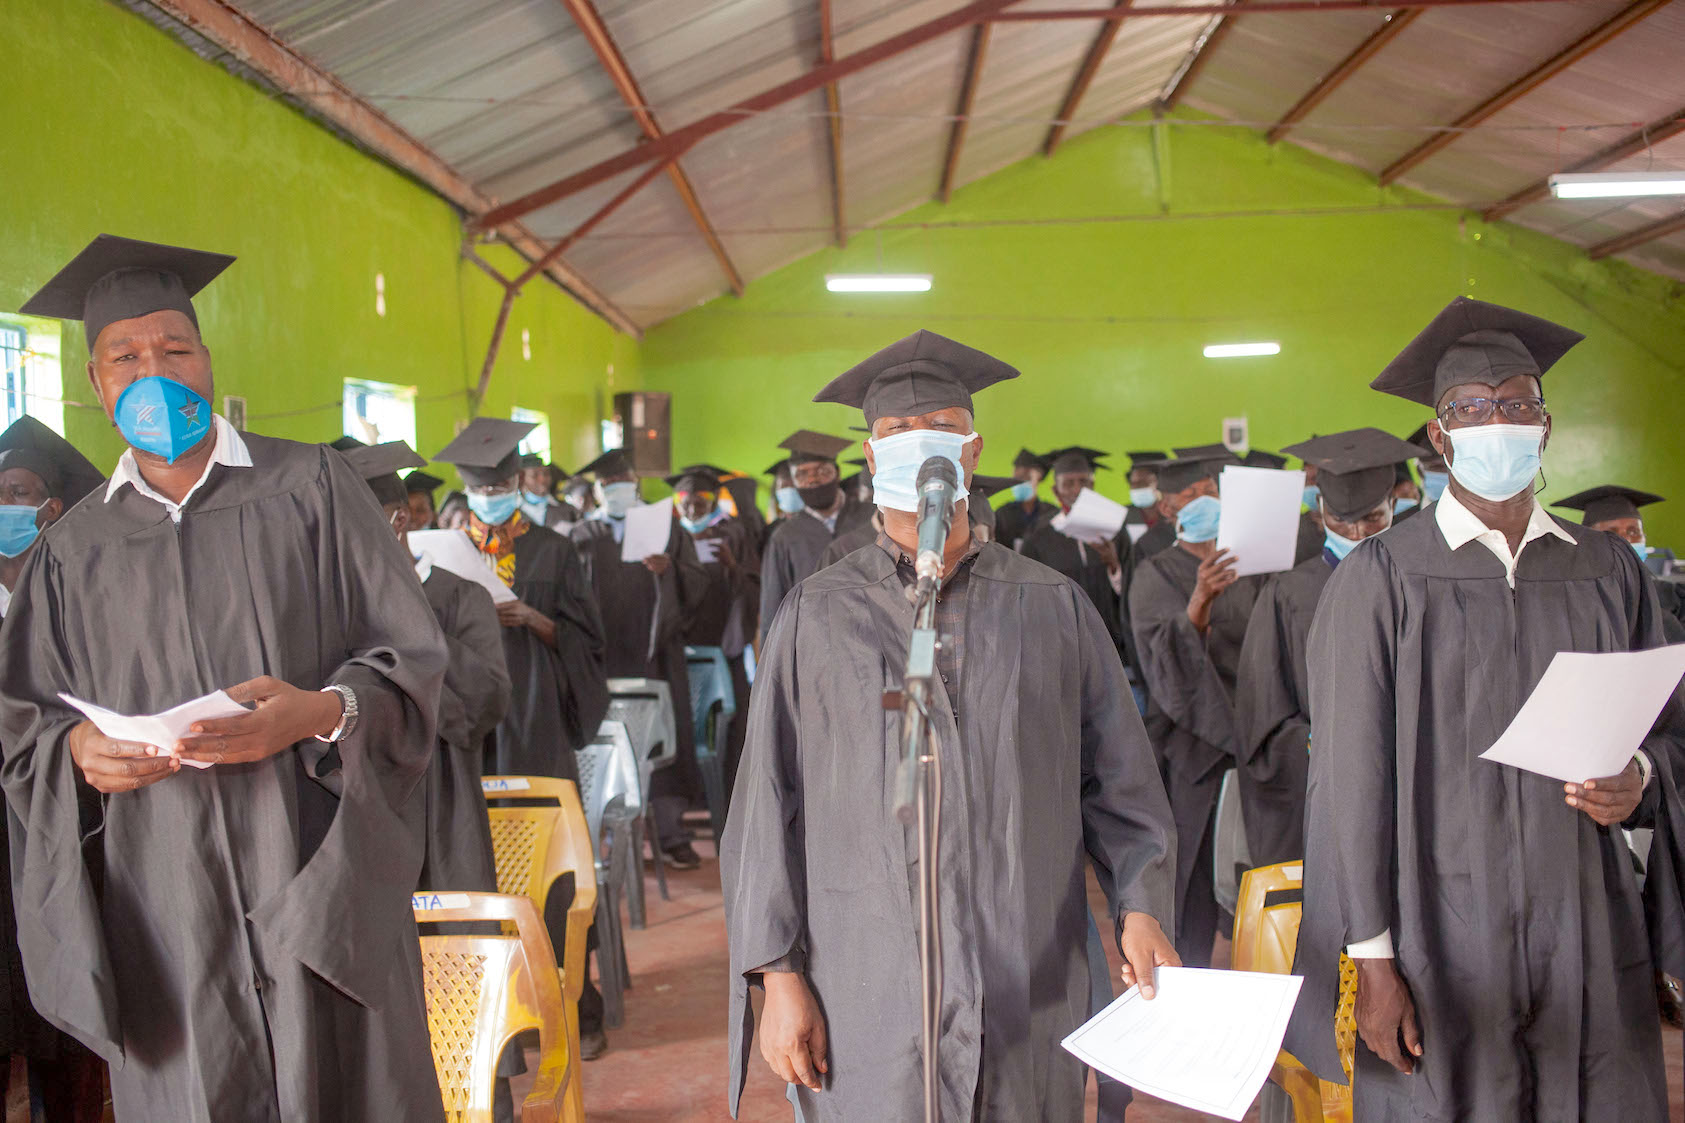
645, 707
614, 805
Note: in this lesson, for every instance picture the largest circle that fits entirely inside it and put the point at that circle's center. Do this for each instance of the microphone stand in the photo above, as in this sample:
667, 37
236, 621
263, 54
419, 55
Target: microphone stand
918, 780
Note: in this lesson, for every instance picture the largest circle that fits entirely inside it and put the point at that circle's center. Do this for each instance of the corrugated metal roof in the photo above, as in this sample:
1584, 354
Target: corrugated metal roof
511, 95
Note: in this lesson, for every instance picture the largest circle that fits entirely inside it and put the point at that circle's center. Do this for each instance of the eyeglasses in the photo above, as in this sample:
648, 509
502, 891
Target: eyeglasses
813, 475
1478, 411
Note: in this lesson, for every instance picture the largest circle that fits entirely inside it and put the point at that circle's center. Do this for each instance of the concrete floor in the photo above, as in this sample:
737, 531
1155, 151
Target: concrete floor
668, 1063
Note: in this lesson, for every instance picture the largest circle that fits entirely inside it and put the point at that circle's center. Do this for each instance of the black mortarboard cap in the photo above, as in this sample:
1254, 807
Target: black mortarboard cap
1028, 459
1191, 466
986, 486
1355, 469
380, 464
424, 482
120, 278
67, 474
807, 446
706, 474
1258, 458
533, 460
1419, 438
1075, 458
776, 467
484, 453
917, 375
1610, 501
1145, 458
346, 444
614, 462
1473, 341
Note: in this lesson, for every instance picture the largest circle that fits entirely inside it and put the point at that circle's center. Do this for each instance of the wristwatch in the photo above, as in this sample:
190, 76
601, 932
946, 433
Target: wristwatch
348, 715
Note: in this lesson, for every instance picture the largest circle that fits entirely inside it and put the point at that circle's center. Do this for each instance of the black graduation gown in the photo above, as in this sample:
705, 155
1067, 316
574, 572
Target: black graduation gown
794, 548
473, 700
1517, 920
1272, 713
1081, 564
1043, 759
726, 612
1190, 682
1310, 540
644, 618
1013, 523
252, 955
845, 544
559, 694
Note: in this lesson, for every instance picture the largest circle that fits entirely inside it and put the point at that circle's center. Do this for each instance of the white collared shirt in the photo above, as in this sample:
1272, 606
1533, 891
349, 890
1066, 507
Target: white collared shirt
1460, 526
228, 449
829, 520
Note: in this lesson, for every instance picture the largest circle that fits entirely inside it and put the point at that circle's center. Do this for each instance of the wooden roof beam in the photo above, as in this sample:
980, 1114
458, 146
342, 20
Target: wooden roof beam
1665, 128
1604, 33
596, 33
833, 111
1091, 61
962, 112
1198, 56
1621, 243
1350, 65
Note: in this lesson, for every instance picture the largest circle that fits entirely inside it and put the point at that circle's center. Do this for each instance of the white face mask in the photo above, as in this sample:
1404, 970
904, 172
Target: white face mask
898, 459
1496, 462
617, 498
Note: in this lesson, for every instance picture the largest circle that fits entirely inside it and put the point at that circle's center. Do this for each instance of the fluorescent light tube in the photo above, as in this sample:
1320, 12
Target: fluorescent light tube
1240, 350
1617, 185
878, 282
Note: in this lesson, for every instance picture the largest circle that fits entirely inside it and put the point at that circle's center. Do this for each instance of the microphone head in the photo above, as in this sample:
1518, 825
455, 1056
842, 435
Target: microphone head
937, 468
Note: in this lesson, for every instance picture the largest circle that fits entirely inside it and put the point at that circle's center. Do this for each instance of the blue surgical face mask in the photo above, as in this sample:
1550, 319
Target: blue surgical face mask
1401, 505
17, 528
1311, 495
618, 498
1023, 491
1197, 522
494, 509
162, 416
899, 458
1338, 545
533, 499
696, 526
789, 499
1638, 548
1496, 462
1143, 496
1434, 483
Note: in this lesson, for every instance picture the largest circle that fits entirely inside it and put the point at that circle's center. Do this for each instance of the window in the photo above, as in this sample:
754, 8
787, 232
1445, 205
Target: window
14, 344
537, 441
377, 412
29, 371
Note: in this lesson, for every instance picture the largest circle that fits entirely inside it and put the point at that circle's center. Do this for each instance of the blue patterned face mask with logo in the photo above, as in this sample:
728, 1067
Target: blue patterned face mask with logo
162, 416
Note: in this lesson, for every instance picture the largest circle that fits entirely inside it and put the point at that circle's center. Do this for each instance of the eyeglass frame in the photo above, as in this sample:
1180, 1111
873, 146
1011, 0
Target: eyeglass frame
1497, 405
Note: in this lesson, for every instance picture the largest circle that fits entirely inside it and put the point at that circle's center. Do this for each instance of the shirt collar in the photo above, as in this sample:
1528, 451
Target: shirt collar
227, 449
1460, 526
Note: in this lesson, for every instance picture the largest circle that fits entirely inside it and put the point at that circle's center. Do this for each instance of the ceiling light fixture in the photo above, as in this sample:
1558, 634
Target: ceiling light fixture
1240, 350
1616, 185
878, 282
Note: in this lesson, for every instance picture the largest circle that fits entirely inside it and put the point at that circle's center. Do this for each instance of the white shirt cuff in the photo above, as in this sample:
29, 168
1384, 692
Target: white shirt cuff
1376, 947
1646, 769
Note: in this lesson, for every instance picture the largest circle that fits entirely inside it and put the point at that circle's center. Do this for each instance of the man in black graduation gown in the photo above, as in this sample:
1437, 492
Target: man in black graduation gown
1504, 970
1614, 508
1025, 510
793, 549
1355, 472
474, 698
419, 489
1098, 567
726, 611
1143, 494
538, 501
1189, 613
41, 477
646, 606
251, 953
1043, 758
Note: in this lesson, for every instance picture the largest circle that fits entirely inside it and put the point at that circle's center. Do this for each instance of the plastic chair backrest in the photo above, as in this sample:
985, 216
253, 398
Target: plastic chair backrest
608, 776
710, 685
1266, 936
483, 990
645, 705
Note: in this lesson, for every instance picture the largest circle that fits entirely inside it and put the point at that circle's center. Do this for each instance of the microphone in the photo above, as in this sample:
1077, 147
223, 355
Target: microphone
937, 485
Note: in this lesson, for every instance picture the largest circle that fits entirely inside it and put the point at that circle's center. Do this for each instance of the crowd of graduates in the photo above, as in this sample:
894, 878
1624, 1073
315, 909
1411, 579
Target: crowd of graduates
234, 936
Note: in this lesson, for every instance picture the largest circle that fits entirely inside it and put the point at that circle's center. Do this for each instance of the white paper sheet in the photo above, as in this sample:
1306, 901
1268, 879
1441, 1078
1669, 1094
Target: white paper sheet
707, 550
159, 730
1260, 520
1589, 713
1136, 530
1092, 518
1206, 1041
454, 552
647, 530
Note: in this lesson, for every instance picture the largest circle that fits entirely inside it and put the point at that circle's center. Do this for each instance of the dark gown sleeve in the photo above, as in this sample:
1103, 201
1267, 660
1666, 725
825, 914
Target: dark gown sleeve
775, 579
477, 673
763, 869
1180, 675
1350, 814
1270, 717
689, 576
1126, 823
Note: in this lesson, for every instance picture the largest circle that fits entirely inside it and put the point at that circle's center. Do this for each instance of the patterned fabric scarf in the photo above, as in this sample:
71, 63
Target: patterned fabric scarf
497, 543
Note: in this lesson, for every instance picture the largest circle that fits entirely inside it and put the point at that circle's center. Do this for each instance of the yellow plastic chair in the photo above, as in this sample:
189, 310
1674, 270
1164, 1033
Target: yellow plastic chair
484, 990
532, 847
1265, 937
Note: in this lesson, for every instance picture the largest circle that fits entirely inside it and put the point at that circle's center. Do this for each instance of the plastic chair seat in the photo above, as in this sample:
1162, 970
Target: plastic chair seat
713, 701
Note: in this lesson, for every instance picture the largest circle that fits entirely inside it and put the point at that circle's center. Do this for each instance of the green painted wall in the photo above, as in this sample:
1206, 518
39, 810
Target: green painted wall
211, 161
1107, 319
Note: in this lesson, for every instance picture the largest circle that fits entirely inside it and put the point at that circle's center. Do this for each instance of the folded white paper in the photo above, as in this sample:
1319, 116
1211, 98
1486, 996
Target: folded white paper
647, 530
159, 730
1206, 1041
454, 552
1590, 712
707, 550
1092, 518
1260, 519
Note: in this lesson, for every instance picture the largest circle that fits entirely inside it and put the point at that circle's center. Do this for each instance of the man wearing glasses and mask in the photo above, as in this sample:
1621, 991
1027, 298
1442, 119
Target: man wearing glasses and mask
796, 545
1505, 960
